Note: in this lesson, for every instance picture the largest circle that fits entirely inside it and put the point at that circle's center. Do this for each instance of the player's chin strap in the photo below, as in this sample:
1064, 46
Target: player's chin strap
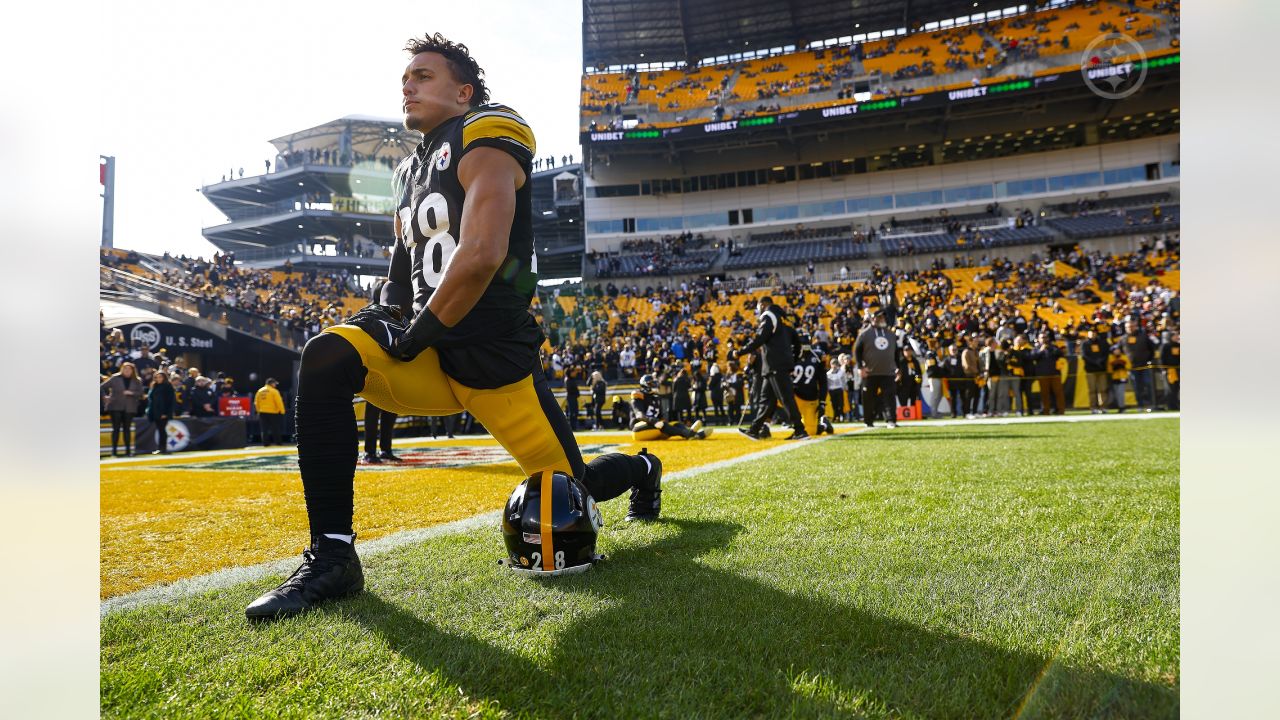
531, 572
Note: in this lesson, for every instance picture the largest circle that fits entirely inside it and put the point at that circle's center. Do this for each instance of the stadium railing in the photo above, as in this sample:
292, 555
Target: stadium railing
127, 285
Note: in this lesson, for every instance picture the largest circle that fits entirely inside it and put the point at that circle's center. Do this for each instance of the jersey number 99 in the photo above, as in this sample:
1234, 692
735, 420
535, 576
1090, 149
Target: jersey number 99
802, 374
433, 223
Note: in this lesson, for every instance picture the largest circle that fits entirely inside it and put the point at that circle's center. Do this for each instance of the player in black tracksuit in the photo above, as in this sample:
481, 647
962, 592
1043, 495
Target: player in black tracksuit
776, 342
464, 268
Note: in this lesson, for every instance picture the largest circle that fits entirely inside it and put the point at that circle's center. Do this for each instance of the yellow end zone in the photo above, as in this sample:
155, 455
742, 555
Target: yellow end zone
178, 516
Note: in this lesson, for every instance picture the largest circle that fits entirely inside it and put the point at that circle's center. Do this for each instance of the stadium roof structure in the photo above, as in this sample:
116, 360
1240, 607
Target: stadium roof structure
624, 32
365, 134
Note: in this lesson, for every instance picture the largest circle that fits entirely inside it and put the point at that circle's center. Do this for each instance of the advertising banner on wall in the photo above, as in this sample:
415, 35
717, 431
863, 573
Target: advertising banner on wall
191, 433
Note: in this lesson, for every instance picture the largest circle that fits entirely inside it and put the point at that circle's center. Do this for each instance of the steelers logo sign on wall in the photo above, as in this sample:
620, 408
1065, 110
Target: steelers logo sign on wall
882, 343
443, 156
177, 436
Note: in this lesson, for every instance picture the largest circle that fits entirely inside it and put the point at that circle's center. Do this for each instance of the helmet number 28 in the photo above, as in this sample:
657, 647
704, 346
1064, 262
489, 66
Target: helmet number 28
537, 559
439, 244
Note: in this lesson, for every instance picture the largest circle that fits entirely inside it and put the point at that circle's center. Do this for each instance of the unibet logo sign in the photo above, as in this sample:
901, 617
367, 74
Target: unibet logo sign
147, 334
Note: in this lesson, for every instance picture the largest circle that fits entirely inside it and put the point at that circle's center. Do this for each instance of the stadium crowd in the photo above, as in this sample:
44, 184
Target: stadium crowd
994, 343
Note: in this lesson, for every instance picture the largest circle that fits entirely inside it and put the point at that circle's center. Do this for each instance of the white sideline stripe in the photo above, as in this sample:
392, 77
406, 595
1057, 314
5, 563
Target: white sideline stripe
189, 587
1111, 417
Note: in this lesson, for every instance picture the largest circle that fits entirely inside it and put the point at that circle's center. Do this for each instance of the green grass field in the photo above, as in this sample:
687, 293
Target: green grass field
1026, 570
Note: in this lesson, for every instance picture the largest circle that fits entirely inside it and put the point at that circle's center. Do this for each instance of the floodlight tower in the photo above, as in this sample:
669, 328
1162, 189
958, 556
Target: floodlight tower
107, 178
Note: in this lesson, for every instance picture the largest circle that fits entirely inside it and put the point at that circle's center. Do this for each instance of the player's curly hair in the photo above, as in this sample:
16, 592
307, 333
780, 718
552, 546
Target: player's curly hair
465, 69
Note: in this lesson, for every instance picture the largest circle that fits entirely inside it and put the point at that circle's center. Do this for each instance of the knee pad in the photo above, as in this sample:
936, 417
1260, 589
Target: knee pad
330, 367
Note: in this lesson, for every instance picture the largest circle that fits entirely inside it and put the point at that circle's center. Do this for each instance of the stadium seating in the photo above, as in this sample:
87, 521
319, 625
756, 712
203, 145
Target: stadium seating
920, 54
805, 234
1089, 205
797, 253
1137, 220
641, 264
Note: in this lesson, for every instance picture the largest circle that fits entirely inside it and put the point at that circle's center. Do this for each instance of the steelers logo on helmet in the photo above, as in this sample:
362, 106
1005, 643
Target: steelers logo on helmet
550, 525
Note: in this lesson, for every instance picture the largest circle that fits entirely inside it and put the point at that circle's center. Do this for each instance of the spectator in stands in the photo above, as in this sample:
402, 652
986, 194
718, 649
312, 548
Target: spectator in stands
123, 393
270, 407
968, 378
599, 394
144, 360
731, 383
1171, 361
909, 376
204, 402
572, 391
837, 380
1140, 349
681, 402
1094, 354
162, 403
1118, 366
1045, 359
716, 386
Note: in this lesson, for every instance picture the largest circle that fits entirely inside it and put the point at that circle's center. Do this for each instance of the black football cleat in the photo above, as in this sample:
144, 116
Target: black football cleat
646, 501
330, 570
751, 433
389, 456
799, 434
370, 459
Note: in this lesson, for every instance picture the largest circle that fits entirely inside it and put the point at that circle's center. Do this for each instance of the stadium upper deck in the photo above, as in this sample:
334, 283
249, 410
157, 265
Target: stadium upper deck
329, 185
988, 48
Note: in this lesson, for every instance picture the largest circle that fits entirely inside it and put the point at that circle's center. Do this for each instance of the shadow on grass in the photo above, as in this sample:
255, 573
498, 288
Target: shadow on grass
679, 638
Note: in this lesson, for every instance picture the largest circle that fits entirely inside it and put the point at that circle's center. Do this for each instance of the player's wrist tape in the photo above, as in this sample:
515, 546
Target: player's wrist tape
425, 330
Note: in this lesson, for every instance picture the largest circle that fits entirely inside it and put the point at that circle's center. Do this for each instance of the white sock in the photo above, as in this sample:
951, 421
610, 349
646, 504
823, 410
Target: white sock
348, 539
648, 465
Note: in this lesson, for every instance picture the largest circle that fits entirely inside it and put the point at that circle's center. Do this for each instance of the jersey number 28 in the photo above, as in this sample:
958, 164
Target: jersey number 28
433, 223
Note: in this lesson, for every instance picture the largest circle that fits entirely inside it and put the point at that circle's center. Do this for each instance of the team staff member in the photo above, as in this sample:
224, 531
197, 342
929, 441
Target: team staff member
875, 352
464, 266
270, 407
1094, 353
379, 429
777, 344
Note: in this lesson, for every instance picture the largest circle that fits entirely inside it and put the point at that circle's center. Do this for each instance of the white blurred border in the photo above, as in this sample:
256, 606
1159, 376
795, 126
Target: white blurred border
1230, 478
1230, 484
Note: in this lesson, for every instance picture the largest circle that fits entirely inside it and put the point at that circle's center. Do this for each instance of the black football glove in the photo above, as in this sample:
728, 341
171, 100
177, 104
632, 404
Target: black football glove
383, 323
425, 330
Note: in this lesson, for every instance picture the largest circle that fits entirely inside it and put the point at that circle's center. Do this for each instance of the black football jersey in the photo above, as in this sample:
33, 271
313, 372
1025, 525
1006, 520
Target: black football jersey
644, 407
430, 213
808, 376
